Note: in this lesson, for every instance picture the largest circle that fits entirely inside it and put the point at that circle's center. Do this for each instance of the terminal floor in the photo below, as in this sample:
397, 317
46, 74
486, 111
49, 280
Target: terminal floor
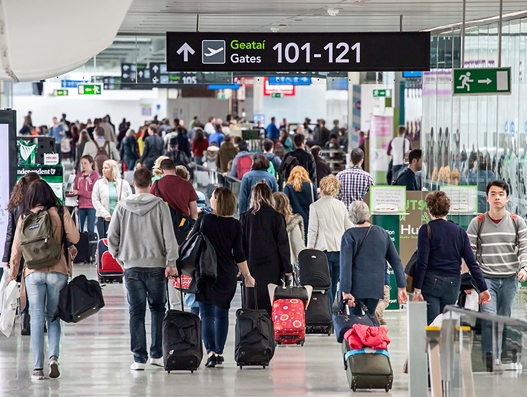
95, 360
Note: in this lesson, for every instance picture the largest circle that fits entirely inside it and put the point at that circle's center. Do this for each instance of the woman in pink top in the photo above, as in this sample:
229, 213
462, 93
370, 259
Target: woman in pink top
83, 187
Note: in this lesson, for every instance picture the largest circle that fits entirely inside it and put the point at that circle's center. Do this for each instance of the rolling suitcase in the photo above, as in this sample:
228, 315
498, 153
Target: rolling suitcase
289, 321
182, 346
367, 368
314, 269
108, 270
318, 314
254, 333
86, 247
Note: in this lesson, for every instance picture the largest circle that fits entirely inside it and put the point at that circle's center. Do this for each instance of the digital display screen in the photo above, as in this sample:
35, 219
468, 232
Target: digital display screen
412, 74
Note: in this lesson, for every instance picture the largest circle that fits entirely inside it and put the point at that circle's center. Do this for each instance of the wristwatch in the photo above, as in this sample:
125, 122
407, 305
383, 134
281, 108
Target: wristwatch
246, 275
417, 293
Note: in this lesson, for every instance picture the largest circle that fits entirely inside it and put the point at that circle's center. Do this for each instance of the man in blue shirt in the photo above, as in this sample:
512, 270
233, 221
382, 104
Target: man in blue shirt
57, 131
218, 136
272, 130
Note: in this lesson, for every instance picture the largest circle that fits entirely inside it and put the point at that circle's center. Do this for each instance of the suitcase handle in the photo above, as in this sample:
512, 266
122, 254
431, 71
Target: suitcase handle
180, 291
244, 288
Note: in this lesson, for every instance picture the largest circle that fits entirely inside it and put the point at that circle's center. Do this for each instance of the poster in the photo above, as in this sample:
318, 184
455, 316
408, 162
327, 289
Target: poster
381, 132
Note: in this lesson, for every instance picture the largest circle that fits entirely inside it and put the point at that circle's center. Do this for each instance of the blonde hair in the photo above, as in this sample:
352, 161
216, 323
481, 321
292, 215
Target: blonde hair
283, 206
182, 172
297, 176
261, 195
156, 170
329, 185
114, 167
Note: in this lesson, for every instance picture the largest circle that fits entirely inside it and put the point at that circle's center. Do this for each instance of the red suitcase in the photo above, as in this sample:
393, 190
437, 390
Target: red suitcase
289, 321
108, 270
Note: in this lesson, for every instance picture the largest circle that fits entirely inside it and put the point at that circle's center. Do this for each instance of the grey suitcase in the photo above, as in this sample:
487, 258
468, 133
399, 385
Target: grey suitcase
367, 370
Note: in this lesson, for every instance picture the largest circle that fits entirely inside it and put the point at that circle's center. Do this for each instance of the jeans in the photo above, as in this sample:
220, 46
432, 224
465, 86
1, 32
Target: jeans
198, 160
43, 294
90, 214
146, 284
102, 227
502, 292
215, 326
438, 292
334, 271
130, 164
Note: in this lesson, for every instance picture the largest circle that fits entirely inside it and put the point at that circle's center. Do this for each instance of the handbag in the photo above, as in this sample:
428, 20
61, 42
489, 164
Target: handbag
197, 254
410, 266
79, 299
181, 223
344, 318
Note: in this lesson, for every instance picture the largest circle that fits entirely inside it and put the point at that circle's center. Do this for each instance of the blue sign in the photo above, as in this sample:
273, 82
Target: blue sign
506, 126
72, 83
526, 127
512, 129
289, 80
258, 117
234, 86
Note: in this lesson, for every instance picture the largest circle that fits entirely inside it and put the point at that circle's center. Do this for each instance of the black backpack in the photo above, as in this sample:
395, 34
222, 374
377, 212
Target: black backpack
287, 165
79, 299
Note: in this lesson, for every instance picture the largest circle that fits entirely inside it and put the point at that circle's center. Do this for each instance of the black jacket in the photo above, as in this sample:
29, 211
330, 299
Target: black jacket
129, 149
407, 178
305, 159
10, 233
154, 147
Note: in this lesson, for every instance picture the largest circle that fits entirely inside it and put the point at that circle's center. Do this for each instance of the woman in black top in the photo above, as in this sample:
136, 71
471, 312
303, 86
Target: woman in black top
265, 242
437, 275
225, 234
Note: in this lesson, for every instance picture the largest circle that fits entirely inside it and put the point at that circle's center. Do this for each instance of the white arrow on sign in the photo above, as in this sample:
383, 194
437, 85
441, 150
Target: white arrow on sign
140, 73
185, 49
487, 81
155, 80
125, 75
126, 67
155, 68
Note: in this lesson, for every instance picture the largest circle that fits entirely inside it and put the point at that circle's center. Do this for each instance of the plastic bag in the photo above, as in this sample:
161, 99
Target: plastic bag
7, 318
3, 285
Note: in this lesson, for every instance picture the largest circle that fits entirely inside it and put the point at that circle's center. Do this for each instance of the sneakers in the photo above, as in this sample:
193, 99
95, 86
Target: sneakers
54, 367
38, 374
219, 359
211, 361
156, 361
138, 366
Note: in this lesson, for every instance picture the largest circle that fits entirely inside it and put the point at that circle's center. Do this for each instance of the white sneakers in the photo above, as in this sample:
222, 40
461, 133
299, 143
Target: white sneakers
158, 362
54, 367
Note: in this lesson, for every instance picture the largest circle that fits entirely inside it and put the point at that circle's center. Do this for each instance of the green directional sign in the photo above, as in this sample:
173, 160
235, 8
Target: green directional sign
90, 89
276, 95
382, 93
60, 93
484, 81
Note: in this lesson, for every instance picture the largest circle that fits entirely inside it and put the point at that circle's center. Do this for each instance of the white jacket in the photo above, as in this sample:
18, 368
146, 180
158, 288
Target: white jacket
328, 220
295, 231
101, 195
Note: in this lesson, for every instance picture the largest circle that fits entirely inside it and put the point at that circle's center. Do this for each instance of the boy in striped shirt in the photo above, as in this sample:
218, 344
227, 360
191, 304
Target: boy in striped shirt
494, 237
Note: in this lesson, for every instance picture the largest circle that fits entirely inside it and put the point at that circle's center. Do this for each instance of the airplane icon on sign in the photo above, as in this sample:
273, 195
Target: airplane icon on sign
213, 51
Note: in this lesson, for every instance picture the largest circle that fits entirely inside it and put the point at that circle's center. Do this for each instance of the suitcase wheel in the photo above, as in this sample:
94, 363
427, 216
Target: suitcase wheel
241, 366
301, 342
387, 389
263, 366
354, 388
191, 371
101, 280
121, 280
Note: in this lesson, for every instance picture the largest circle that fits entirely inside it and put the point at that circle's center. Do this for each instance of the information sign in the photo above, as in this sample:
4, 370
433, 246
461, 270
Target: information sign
482, 81
388, 199
463, 199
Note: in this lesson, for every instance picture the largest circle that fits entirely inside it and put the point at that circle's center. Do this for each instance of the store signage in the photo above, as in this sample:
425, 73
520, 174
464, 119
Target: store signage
89, 89
393, 51
481, 81
51, 158
285, 90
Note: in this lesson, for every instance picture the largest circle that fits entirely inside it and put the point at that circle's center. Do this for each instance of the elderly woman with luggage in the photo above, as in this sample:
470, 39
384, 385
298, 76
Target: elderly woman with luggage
364, 251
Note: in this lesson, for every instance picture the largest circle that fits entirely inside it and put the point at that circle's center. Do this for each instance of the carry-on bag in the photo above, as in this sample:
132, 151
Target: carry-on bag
79, 299
108, 269
254, 332
303, 293
367, 368
345, 317
182, 346
318, 314
289, 321
313, 269
86, 248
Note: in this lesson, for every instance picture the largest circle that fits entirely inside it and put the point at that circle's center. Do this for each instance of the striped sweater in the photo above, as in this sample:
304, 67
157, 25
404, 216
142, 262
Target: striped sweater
499, 257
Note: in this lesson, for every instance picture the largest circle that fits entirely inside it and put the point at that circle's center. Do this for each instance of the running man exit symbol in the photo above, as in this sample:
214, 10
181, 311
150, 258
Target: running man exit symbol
213, 52
465, 80
481, 81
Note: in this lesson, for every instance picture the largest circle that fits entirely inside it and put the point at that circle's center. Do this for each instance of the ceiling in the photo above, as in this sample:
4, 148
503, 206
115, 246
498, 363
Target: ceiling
149, 17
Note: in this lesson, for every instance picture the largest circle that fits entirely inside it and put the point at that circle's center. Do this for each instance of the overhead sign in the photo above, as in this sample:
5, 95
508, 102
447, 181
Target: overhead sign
60, 92
278, 80
385, 93
284, 90
393, 51
482, 81
89, 89
71, 83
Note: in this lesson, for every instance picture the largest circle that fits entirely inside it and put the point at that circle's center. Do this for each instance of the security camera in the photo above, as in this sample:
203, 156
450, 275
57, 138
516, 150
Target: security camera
275, 29
332, 12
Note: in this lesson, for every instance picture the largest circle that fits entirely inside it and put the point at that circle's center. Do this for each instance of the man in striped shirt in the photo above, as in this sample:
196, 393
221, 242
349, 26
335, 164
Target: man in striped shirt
494, 237
354, 182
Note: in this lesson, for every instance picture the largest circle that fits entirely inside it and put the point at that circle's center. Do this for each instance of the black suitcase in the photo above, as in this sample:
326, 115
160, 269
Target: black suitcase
254, 335
367, 370
318, 314
313, 269
182, 346
86, 248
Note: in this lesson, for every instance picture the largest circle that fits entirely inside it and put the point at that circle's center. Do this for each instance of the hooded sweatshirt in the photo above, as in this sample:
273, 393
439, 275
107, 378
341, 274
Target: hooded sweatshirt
141, 233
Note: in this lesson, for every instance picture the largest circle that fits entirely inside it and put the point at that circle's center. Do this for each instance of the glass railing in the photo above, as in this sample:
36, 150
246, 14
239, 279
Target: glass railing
206, 180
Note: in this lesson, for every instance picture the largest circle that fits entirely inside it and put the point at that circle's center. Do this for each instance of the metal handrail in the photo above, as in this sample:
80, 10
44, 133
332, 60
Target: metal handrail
202, 168
486, 316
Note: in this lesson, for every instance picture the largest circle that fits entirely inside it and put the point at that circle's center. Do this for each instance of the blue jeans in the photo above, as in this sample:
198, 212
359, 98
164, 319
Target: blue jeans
438, 292
502, 292
146, 284
130, 164
215, 326
334, 271
43, 294
102, 227
90, 214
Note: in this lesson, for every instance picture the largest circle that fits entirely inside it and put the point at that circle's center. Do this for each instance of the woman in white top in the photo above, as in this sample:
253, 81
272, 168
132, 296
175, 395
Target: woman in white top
107, 192
328, 220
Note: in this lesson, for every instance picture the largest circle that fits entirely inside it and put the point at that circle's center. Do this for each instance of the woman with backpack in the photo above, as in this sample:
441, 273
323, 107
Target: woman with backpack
44, 277
258, 172
107, 192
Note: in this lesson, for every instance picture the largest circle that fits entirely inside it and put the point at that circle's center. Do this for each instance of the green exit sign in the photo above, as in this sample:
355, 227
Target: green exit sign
90, 89
277, 95
60, 92
483, 81
382, 93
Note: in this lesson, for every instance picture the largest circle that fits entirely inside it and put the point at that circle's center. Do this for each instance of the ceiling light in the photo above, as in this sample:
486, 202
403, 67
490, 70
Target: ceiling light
332, 12
275, 29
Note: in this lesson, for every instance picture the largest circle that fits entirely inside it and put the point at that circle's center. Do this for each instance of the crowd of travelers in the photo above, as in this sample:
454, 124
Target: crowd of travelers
128, 181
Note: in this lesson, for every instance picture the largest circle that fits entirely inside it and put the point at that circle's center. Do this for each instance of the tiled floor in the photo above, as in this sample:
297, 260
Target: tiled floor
95, 361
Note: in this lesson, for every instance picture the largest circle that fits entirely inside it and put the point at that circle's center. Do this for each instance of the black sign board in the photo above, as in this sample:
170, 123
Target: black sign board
391, 51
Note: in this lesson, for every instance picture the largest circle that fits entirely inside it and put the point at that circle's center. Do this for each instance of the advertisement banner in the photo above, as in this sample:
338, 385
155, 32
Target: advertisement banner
381, 132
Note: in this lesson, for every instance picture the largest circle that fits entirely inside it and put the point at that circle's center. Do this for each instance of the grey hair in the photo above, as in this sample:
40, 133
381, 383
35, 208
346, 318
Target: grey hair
359, 212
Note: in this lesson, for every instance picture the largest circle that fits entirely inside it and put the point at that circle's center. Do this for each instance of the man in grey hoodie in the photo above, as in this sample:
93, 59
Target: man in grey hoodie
141, 238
